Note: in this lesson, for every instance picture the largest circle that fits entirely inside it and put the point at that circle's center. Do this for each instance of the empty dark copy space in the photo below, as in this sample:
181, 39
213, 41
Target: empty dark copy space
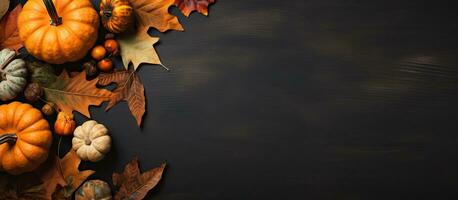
299, 99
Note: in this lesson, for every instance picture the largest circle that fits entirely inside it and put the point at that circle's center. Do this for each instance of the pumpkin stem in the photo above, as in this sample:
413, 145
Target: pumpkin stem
107, 13
2, 75
52, 12
8, 60
10, 138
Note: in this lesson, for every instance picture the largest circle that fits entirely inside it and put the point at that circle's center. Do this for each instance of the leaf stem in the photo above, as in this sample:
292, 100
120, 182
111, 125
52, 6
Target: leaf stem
50, 103
58, 157
166, 68
7, 61
128, 79
76, 93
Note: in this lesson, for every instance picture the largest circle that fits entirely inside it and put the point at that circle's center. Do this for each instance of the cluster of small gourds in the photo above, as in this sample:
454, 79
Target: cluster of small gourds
55, 32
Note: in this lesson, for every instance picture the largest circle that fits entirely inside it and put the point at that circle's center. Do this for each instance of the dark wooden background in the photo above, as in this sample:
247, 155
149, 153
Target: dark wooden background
300, 99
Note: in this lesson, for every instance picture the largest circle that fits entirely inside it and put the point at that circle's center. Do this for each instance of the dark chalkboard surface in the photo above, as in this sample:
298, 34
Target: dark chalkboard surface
299, 99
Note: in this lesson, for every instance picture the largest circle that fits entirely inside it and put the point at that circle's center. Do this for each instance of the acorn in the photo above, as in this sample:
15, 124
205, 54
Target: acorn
109, 36
91, 69
48, 109
33, 92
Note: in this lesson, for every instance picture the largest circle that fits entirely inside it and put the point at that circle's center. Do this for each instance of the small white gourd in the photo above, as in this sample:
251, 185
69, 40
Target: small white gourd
91, 141
13, 74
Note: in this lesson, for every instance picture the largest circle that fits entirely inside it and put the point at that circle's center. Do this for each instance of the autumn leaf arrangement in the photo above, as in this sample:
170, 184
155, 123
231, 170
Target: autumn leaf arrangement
39, 92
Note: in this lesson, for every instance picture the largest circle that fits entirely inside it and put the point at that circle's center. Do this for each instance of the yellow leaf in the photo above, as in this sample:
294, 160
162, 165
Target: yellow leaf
138, 48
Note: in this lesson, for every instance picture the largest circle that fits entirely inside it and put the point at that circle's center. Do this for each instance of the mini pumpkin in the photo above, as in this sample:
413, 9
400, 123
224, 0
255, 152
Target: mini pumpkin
91, 141
94, 189
64, 125
58, 31
117, 15
25, 138
13, 73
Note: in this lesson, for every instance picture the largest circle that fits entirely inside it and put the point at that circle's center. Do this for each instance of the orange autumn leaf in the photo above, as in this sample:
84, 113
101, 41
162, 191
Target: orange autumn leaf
72, 175
51, 176
9, 35
155, 13
76, 93
61, 176
188, 6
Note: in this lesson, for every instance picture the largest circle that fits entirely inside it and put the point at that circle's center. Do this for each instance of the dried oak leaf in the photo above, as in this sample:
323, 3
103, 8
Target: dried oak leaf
22, 187
129, 88
4, 5
188, 6
155, 13
67, 167
75, 93
138, 48
9, 35
134, 185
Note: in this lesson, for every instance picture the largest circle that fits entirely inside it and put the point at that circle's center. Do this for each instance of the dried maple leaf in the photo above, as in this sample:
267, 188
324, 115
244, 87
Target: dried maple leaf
188, 6
75, 93
129, 88
68, 169
138, 48
4, 5
155, 13
134, 185
9, 35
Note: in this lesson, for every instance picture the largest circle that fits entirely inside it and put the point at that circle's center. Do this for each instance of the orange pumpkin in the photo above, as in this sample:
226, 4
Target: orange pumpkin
117, 15
65, 125
58, 31
25, 138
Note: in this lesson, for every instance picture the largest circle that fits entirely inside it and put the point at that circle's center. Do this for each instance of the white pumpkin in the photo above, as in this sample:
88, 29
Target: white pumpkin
91, 141
13, 74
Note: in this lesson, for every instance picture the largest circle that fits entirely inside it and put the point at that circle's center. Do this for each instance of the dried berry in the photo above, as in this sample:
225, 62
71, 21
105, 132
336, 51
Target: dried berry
111, 46
98, 52
48, 109
33, 92
105, 65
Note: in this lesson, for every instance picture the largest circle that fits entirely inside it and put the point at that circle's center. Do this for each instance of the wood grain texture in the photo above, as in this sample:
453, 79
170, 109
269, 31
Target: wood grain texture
298, 99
